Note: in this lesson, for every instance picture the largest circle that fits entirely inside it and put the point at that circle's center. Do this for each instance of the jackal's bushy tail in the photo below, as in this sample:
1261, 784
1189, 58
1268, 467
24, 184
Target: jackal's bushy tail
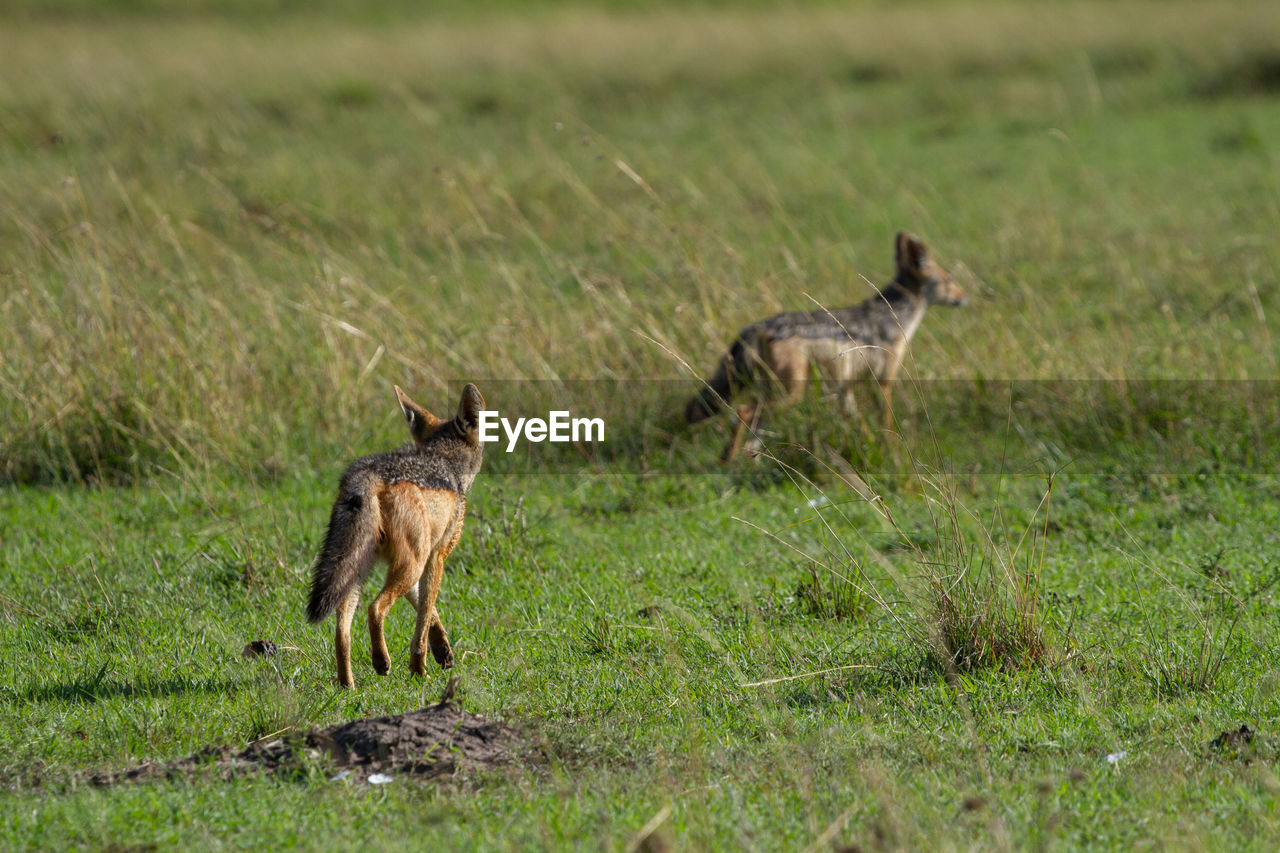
349, 545
734, 371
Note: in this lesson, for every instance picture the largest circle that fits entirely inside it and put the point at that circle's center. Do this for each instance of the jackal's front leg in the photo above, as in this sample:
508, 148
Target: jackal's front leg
886, 402
848, 401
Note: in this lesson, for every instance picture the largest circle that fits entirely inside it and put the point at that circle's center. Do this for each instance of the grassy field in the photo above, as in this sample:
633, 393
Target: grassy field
1016, 620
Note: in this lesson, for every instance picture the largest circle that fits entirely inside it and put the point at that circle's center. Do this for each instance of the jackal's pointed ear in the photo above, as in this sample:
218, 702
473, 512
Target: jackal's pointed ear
469, 408
911, 252
420, 421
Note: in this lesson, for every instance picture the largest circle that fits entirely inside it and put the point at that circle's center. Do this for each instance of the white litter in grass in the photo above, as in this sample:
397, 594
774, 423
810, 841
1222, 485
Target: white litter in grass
1114, 758
344, 774
379, 779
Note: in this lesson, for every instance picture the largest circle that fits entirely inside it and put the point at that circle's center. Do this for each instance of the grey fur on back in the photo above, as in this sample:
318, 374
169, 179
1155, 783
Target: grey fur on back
879, 319
446, 460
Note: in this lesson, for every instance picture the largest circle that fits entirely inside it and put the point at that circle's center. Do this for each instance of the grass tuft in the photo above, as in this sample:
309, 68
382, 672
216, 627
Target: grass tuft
827, 596
981, 600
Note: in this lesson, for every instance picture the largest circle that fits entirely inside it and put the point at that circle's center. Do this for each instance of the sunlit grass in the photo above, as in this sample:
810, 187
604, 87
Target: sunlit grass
223, 239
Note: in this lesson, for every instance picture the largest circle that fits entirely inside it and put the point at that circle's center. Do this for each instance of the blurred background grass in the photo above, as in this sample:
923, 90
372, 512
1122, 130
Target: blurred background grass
229, 228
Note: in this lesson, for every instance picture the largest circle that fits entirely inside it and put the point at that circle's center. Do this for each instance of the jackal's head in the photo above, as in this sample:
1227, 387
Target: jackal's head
456, 442
919, 273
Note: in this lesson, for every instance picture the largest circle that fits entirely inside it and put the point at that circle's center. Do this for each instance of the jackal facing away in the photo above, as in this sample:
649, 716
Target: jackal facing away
405, 507
871, 337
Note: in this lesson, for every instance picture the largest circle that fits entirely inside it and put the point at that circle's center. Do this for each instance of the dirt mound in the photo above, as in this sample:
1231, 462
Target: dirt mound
438, 740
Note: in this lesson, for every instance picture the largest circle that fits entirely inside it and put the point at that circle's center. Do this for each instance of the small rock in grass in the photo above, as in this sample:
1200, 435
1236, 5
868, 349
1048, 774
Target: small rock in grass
259, 649
1236, 740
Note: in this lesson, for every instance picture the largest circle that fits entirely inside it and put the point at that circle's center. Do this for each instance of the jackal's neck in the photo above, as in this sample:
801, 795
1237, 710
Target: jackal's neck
907, 306
903, 298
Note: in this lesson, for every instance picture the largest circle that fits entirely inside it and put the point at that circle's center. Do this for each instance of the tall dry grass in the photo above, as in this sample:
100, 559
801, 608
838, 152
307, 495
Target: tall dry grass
223, 243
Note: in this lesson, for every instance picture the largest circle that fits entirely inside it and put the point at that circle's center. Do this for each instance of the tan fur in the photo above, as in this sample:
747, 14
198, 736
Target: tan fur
420, 528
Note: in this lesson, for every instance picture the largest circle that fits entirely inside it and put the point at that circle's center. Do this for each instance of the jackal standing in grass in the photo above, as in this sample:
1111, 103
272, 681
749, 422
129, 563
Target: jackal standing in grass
840, 345
405, 507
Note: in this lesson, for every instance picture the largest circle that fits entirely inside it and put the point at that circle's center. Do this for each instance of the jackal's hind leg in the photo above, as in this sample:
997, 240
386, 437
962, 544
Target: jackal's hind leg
342, 637
428, 630
418, 645
402, 575
439, 639
417, 651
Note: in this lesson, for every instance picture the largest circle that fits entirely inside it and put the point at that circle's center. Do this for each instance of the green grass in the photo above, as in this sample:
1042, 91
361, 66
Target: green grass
224, 236
623, 645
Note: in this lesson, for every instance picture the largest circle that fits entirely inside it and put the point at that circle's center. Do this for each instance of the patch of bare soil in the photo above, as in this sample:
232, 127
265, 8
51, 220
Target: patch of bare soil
439, 740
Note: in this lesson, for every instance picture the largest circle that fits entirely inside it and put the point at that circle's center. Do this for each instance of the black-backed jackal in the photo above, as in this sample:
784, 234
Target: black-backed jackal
840, 345
405, 507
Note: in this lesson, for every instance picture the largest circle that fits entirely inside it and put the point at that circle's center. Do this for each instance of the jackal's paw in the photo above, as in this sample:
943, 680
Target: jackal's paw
444, 656
381, 665
418, 663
